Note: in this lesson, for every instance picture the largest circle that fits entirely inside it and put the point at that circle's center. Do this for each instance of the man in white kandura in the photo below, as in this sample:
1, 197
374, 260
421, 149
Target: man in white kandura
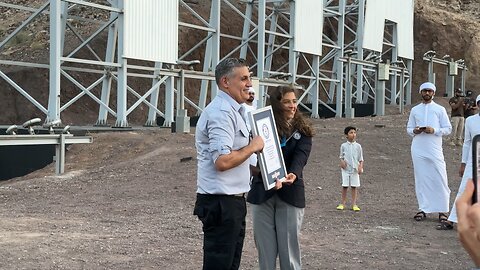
472, 128
427, 123
250, 105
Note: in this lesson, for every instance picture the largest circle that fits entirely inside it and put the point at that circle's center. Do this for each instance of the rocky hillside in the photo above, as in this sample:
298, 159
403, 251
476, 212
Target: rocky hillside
446, 26
449, 27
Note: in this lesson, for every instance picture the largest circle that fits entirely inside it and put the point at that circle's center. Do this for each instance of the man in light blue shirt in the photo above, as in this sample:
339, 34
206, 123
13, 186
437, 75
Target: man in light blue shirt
223, 149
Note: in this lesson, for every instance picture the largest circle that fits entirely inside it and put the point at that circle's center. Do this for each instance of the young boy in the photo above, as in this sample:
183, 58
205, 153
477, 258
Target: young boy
351, 162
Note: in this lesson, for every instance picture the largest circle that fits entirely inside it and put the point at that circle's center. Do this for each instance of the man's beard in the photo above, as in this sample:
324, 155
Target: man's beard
427, 97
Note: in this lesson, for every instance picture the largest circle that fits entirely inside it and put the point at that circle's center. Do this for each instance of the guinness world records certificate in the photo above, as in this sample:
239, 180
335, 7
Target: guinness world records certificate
270, 158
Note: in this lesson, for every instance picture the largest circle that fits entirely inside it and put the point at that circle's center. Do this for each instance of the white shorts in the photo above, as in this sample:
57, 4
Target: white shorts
350, 179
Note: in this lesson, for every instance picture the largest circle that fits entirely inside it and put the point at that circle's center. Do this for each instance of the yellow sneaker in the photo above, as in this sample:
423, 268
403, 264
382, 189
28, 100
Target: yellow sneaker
340, 207
355, 208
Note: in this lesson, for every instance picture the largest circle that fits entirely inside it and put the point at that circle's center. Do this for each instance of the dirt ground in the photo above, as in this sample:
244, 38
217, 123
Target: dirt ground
126, 202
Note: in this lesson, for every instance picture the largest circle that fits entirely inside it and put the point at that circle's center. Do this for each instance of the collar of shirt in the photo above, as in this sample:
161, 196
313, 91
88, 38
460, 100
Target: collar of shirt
229, 99
427, 104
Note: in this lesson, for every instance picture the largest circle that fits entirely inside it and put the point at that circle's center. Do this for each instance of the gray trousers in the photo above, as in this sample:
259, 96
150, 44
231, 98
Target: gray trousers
276, 229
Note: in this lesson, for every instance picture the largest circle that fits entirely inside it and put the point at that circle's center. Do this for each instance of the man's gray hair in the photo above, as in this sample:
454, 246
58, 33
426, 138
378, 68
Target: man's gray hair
226, 66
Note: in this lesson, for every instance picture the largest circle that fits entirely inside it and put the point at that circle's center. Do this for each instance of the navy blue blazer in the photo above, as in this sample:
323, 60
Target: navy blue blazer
295, 154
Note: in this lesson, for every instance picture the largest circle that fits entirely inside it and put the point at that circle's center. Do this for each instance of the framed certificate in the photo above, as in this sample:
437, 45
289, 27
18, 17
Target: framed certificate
270, 158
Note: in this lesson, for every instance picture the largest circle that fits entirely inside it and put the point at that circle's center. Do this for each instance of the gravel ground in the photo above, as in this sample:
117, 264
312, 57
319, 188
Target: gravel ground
126, 201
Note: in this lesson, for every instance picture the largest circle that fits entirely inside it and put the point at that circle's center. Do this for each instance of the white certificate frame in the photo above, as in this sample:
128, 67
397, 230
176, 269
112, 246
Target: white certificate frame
270, 159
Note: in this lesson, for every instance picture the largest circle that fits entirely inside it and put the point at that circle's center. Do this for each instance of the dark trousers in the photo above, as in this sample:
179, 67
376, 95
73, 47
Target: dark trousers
223, 219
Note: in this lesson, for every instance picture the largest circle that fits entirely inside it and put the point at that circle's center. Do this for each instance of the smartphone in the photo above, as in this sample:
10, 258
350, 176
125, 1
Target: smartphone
422, 128
476, 166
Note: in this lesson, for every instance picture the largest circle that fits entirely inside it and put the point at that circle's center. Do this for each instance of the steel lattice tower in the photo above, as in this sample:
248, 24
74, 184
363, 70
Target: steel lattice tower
343, 75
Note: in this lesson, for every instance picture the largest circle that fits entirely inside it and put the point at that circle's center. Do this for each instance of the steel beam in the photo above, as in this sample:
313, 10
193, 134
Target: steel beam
55, 56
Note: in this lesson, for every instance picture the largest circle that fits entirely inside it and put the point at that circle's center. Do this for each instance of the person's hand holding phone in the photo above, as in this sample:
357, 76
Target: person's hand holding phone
418, 130
475, 165
429, 130
469, 223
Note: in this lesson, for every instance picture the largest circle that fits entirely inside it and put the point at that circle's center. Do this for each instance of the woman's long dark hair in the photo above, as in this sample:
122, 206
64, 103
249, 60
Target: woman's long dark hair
298, 122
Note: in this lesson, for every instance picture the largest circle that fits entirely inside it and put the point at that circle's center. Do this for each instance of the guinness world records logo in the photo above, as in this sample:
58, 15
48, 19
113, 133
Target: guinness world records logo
265, 131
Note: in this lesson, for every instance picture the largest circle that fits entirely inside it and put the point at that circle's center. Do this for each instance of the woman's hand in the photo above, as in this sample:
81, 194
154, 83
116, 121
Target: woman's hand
291, 177
278, 184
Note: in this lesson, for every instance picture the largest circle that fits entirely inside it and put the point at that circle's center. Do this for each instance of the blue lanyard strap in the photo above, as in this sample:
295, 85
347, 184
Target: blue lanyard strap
283, 141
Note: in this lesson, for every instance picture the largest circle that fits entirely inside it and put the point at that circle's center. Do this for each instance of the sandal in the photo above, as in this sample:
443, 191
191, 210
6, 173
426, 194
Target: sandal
445, 225
442, 217
420, 216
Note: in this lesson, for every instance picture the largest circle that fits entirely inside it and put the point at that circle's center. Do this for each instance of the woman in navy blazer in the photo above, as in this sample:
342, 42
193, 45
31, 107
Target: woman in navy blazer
278, 213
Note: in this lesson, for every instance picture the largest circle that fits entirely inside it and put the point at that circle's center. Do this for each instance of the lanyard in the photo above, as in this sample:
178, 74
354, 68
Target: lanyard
284, 141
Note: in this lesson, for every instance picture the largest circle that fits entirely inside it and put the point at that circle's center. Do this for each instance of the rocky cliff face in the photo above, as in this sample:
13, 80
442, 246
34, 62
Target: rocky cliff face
447, 26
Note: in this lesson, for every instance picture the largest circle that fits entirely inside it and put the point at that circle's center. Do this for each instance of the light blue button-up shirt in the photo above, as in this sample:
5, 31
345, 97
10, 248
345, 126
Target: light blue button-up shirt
221, 129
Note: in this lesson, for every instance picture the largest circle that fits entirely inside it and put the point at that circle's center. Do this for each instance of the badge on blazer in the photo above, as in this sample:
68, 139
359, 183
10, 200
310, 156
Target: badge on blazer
297, 135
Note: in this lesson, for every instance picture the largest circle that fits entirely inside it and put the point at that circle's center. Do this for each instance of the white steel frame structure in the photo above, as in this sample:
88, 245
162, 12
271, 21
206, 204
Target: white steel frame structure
451, 67
343, 75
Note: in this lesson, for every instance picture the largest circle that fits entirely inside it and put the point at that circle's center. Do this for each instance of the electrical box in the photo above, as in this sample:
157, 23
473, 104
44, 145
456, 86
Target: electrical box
383, 72
452, 69
182, 122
